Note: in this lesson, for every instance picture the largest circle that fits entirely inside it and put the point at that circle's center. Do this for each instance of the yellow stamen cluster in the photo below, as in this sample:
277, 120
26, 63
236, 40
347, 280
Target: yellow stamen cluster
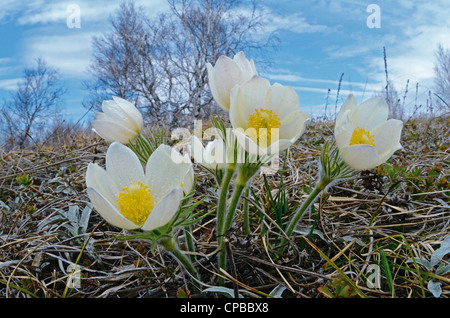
263, 126
362, 137
135, 202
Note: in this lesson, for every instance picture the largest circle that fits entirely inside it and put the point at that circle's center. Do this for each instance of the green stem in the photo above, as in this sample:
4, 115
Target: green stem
223, 195
246, 216
321, 185
24, 290
245, 174
170, 246
221, 210
222, 251
233, 205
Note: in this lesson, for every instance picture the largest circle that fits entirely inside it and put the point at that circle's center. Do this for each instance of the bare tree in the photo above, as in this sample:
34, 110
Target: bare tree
160, 63
34, 104
114, 58
442, 77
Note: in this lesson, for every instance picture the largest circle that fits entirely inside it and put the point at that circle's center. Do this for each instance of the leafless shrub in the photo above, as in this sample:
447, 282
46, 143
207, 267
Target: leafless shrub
63, 134
32, 106
442, 78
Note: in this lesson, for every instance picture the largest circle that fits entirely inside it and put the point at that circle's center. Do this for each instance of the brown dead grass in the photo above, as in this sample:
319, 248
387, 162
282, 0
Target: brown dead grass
389, 214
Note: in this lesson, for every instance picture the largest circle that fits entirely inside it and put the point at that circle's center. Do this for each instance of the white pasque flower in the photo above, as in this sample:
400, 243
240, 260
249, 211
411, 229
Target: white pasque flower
120, 121
364, 135
128, 197
213, 156
226, 74
266, 118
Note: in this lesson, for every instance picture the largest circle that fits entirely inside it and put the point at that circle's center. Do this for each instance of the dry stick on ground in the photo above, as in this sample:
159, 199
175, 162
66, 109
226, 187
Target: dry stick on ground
422, 218
18, 264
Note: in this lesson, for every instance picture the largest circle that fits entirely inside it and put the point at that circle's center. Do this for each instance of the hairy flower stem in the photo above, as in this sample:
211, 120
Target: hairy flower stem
333, 168
170, 246
223, 195
246, 172
320, 186
222, 208
246, 224
222, 252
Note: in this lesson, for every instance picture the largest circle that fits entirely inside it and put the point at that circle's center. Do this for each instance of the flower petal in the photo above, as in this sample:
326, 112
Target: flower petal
236, 110
245, 99
212, 156
124, 113
123, 165
108, 211
385, 156
188, 181
198, 151
212, 86
98, 179
130, 109
280, 145
223, 77
163, 174
283, 100
344, 130
114, 112
387, 136
112, 131
360, 157
295, 125
164, 210
247, 67
217, 152
372, 113
348, 108
246, 143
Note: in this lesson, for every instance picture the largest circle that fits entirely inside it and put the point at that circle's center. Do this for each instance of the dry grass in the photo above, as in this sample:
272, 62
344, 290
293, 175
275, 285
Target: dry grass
384, 217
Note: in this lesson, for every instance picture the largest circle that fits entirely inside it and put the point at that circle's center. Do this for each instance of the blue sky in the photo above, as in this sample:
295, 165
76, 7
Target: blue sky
320, 40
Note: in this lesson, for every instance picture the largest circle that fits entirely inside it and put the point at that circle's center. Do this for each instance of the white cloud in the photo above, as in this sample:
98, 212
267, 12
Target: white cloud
40, 12
8, 8
70, 49
282, 75
332, 92
69, 52
321, 85
415, 55
421, 28
294, 22
9, 84
5, 60
410, 31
